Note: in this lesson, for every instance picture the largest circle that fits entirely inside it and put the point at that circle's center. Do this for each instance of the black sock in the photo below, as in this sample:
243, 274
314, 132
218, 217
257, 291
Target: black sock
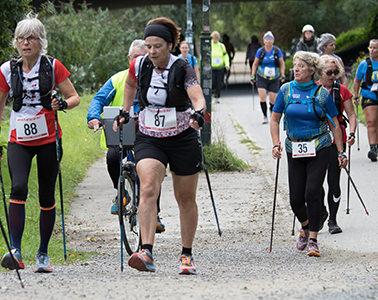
305, 227
187, 251
147, 247
263, 108
271, 107
372, 147
314, 240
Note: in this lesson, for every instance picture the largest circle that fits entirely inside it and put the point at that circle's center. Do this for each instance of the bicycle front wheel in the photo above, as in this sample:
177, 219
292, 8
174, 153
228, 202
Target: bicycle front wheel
128, 212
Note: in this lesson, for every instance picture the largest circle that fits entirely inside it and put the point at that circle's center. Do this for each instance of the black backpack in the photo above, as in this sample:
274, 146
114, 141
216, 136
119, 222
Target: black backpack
262, 55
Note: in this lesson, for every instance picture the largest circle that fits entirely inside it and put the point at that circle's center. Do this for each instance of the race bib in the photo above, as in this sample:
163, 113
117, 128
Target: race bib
303, 149
217, 61
271, 72
161, 119
28, 129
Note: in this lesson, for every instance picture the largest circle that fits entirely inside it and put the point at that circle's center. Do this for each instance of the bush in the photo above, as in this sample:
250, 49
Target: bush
351, 38
91, 44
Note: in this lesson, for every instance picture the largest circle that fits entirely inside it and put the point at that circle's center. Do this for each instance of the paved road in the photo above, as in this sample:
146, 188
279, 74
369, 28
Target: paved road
358, 228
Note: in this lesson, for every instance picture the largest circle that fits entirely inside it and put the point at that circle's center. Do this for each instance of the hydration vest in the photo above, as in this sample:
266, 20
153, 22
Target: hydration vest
262, 55
314, 101
46, 82
176, 94
337, 99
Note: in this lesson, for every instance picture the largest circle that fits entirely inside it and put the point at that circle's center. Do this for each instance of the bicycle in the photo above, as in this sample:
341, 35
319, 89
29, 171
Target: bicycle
128, 185
128, 200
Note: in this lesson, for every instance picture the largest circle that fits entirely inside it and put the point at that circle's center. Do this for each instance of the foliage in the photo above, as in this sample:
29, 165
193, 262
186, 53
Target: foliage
11, 11
220, 158
81, 148
91, 44
351, 37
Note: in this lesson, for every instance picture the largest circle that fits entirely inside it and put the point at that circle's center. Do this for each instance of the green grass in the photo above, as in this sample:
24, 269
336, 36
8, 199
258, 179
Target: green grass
81, 147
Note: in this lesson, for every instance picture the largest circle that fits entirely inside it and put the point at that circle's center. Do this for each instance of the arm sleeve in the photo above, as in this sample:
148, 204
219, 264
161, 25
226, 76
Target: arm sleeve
330, 106
279, 53
195, 61
190, 77
132, 74
279, 104
103, 98
361, 70
345, 93
4, 87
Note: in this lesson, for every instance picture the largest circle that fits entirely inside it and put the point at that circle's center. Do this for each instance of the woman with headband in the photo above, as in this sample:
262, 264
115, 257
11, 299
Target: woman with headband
167, 89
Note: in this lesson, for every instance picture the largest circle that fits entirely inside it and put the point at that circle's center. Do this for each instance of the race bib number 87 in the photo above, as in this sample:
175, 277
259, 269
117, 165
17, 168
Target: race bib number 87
28, 129
303, 149
161, 120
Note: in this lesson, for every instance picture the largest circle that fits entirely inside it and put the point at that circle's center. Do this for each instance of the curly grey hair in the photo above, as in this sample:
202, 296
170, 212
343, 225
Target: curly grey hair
313, 62
328, 58
28, 26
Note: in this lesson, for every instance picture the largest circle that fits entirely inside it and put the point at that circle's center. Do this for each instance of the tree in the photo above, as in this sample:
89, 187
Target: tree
11, 12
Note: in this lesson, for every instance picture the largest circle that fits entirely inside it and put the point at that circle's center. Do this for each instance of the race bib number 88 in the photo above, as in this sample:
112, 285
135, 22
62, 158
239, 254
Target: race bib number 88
28, 129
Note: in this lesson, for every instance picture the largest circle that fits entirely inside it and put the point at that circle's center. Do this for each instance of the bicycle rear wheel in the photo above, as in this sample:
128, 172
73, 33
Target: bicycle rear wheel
128, 212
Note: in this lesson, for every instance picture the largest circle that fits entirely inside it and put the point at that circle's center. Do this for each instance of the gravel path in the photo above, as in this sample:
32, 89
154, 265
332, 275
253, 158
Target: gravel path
238, 264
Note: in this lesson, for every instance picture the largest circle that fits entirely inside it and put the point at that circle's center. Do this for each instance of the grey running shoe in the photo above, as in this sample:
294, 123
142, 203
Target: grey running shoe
333, 227
323, 218
313, 249
303, 239
265, 120
43, 263
7, 261
372, 155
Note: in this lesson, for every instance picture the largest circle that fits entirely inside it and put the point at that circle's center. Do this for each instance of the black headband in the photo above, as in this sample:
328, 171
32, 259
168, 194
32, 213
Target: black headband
159, 30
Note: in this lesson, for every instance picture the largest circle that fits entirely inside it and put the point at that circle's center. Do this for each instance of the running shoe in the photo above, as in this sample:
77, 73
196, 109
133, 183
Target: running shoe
323, 218
7, 261
372, 155
43, 263
303, 239
333, 227
313, 249
142, 261
265, 120
160, 227
187, 266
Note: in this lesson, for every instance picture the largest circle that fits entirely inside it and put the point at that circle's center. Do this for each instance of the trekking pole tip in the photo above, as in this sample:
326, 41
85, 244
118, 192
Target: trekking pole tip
367, 212
270, 249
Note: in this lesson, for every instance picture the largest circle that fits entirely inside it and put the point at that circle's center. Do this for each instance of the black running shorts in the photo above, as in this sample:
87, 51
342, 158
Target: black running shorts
368, 102
182, 151
269, 85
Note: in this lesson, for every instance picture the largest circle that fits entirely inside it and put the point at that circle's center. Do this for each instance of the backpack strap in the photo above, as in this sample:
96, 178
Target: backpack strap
368, 74
316, 103
262, 55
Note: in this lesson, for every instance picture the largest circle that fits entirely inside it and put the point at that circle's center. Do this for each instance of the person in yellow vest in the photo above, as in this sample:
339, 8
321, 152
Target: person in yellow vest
219, 61
111, 94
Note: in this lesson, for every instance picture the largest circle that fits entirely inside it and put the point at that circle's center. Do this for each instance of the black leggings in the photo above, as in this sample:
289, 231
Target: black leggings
19, 162
333, 180
306, 177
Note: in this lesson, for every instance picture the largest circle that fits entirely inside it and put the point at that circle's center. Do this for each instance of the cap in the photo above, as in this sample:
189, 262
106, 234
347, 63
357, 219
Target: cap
308, 27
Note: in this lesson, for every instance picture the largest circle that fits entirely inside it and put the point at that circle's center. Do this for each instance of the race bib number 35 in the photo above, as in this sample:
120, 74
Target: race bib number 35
303, 149
161, 120
28, 129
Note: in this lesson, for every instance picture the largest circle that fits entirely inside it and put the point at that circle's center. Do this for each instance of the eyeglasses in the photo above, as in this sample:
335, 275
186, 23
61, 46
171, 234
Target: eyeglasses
31, 39
330, 72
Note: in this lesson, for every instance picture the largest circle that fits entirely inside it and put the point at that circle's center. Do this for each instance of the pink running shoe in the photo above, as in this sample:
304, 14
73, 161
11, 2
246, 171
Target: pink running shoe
142, 261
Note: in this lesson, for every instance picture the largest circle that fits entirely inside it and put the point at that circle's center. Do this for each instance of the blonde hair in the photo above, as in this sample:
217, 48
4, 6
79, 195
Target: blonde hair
328, 58
28, 26
215, 34
313, 62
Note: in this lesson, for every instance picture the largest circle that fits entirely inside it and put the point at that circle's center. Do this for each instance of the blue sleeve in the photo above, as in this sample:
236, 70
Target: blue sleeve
330, 107
258, 53
195, 61
279, 104
103, 98
361, 70
279, 53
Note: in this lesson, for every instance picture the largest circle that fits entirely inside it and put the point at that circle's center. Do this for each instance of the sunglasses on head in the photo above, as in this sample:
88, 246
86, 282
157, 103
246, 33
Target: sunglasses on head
330, 72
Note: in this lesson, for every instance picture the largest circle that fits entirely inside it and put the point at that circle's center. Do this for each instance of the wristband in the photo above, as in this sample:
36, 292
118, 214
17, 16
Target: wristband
342, 155
197, 115
253, 77
275, 146
356, 99
351, 135
283, 76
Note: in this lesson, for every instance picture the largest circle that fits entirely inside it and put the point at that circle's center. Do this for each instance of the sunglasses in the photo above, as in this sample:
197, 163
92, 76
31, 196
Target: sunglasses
330, 72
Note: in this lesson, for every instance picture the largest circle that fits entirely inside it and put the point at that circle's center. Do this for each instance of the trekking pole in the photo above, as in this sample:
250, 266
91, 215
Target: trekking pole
292, 231
4, 199
253, 96
348, 186
358, 132
10, 252
58, 156
274, 205
120, 212
358, 194
208, 183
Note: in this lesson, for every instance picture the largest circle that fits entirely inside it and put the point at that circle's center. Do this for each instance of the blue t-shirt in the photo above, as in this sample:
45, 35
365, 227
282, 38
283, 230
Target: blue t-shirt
301, 121
190, 59
361, 75
268, 69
